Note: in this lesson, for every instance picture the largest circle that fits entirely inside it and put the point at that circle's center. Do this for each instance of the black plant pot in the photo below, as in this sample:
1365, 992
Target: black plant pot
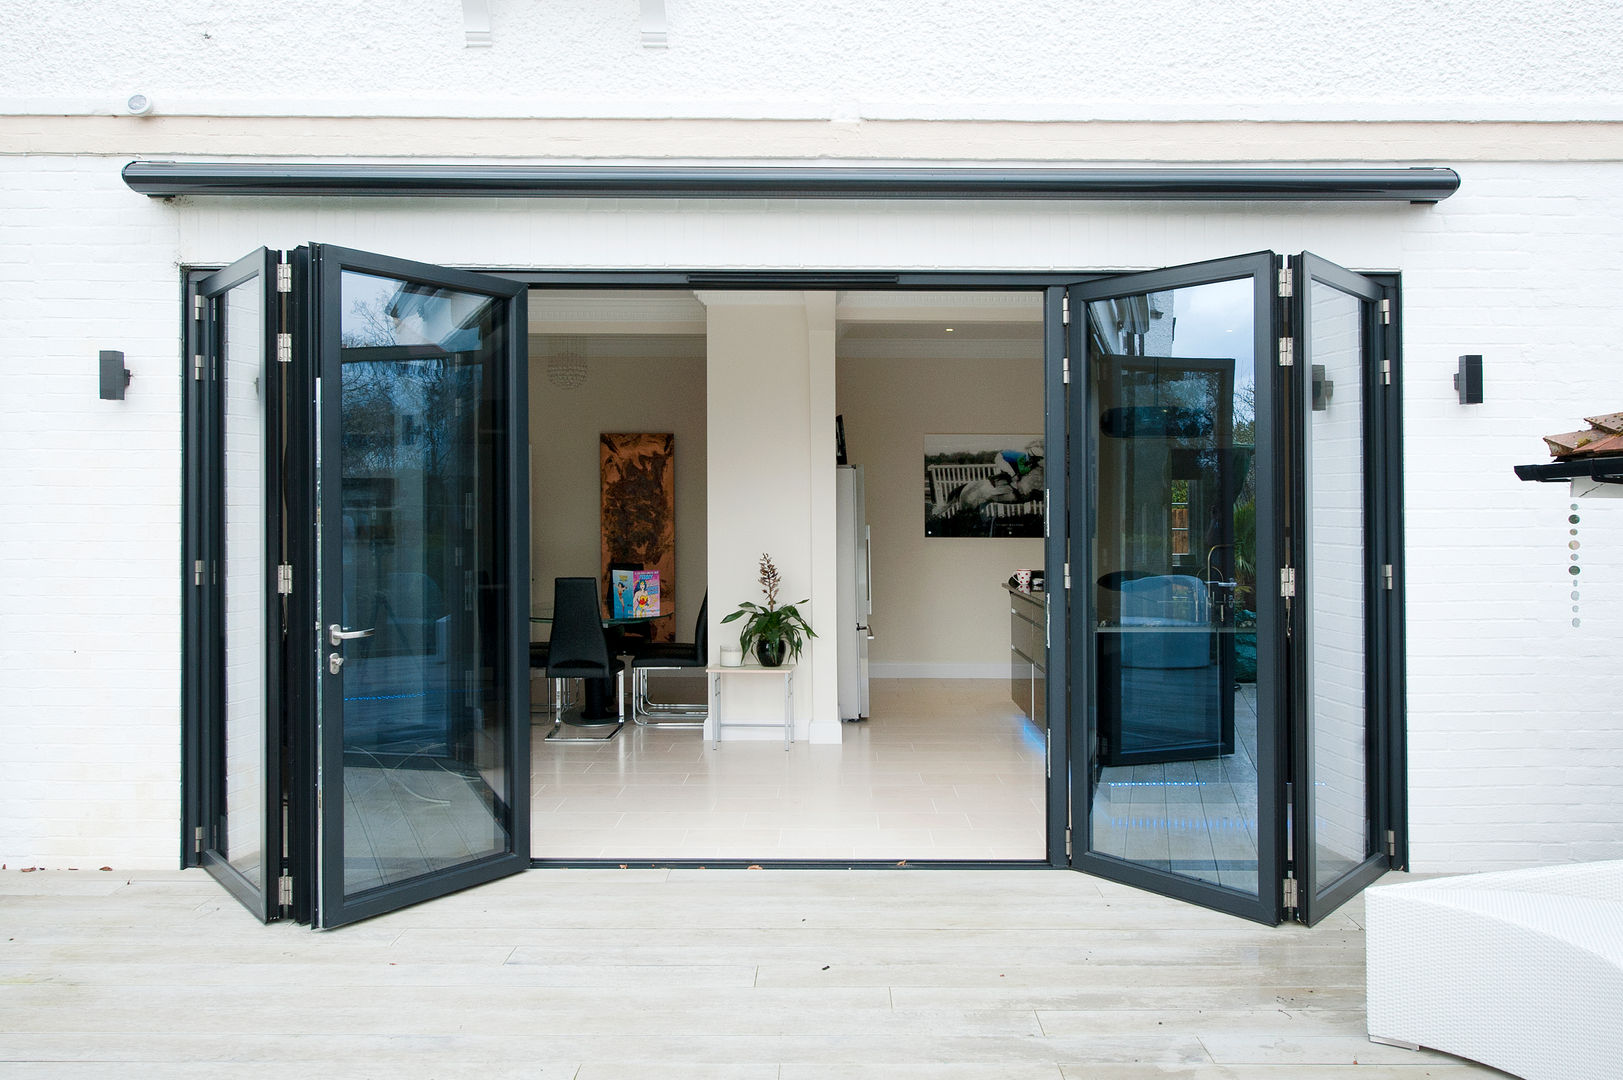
771, 653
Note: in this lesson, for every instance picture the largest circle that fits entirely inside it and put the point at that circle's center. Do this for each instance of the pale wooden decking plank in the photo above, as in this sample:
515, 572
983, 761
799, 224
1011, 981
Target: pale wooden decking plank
735, 975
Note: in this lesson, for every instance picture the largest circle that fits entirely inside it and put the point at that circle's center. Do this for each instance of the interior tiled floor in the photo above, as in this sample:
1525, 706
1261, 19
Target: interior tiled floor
945, 769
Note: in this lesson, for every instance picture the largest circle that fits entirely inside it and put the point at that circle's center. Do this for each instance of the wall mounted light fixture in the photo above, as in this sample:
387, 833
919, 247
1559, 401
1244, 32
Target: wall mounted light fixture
1469, 380
1323, 389
114, 375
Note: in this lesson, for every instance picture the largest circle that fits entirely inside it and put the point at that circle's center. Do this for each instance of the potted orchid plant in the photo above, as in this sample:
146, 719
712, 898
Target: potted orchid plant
775, 631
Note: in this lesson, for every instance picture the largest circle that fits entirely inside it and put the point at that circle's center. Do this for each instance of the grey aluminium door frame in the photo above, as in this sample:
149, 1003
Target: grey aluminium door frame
214, 821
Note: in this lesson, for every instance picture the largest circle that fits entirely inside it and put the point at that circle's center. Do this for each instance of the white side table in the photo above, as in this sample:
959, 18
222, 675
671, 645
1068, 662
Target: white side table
718, 674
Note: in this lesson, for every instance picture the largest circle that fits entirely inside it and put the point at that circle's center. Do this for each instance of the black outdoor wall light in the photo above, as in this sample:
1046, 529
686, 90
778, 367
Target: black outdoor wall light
114, 375
1469, 380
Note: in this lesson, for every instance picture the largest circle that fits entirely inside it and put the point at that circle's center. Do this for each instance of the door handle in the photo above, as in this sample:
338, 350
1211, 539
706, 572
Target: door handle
337, 635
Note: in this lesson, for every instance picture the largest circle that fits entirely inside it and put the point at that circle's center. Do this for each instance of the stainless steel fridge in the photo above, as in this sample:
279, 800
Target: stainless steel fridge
854, 552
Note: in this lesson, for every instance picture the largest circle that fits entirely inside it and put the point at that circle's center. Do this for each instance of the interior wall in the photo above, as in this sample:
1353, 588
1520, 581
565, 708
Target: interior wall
771, 443
619, 394
939, 609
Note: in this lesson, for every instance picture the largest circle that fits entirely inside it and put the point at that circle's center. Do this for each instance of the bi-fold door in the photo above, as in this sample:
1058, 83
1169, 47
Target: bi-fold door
232, 540
357, 542
358, 735
1232, 616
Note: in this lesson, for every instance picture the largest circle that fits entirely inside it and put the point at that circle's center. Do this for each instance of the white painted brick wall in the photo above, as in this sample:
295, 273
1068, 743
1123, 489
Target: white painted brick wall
89, 521
1333, 606
1516, 742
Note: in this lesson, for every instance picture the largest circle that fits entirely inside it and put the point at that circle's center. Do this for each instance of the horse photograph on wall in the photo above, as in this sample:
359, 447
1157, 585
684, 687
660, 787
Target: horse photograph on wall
983, 485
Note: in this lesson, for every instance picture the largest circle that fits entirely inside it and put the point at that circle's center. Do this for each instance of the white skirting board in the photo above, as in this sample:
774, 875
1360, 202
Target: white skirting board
1001, 670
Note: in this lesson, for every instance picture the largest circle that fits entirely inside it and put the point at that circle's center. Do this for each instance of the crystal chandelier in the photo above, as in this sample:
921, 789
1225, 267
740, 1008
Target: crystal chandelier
566, 362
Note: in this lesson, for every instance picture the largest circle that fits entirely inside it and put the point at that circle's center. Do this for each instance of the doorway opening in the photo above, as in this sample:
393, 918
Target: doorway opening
947, 758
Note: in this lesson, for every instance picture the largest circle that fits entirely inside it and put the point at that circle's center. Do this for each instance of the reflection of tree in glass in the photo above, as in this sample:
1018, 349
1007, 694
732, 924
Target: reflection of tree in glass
399, 414
367, 324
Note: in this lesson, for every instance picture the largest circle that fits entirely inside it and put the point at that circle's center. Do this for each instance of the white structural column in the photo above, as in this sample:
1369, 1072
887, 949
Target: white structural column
765, 453
824, 672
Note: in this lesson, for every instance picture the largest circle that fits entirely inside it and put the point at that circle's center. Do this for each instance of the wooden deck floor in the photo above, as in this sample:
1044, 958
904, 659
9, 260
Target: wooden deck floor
777, 975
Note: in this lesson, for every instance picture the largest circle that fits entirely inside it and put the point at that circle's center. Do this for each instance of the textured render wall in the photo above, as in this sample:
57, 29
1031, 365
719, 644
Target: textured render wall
840, 58
1516, 742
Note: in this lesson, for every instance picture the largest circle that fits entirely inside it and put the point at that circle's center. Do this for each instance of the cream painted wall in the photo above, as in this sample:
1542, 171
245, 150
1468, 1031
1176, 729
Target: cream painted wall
770, 438
938, 607
619, 395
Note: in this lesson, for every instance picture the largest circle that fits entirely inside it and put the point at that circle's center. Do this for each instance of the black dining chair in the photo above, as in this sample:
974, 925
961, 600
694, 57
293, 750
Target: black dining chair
579, 650
539, 651
654, 656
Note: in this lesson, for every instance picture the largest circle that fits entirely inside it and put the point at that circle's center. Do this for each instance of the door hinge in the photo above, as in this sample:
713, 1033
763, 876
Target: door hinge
1391, 842
284, 890
197, 840
284, 277
197, 366
1386, 312
1287, 582
1291, 899
1287, 282
1386, 572
1065, 370
1067, 841
1386, 373
284, 579
1067, 575
1065, 311
197, 572
284, 348
1287, 352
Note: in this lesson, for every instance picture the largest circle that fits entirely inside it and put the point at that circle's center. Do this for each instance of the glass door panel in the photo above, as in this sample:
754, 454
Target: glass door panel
423, 711
241, 738
1336, 846
1173, 614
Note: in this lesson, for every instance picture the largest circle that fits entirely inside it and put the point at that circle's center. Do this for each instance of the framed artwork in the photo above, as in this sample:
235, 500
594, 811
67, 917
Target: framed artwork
639, 514
983, 485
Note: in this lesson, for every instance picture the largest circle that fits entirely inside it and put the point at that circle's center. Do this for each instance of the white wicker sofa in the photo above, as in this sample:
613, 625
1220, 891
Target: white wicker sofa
1521, 970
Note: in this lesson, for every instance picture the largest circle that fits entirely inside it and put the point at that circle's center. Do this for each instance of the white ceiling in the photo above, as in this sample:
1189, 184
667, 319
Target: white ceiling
670, 323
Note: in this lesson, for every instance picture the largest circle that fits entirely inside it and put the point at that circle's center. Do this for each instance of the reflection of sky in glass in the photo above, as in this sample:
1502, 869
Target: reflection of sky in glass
1216, 321
367, 289
381, 311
